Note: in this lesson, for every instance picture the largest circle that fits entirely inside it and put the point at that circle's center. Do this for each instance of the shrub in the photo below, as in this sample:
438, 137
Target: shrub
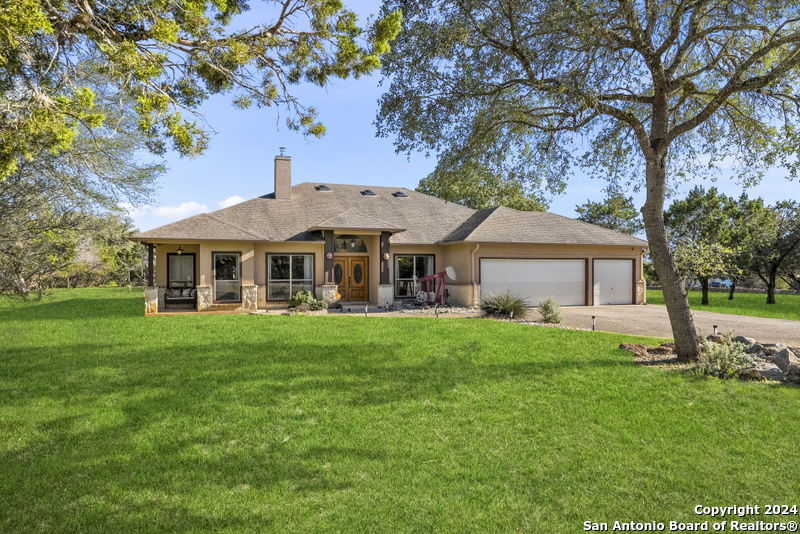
549, 310
306, 301
505, 304
726, 359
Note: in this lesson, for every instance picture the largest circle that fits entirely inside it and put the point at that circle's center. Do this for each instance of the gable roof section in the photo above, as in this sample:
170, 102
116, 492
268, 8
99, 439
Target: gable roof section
506, 225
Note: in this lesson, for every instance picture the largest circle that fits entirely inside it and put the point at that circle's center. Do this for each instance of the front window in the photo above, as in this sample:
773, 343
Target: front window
407, 270
288, 274
181, 270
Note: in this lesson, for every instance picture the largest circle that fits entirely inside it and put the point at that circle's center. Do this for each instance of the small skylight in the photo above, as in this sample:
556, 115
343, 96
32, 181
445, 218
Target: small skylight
399, 194
324, 188
369, 193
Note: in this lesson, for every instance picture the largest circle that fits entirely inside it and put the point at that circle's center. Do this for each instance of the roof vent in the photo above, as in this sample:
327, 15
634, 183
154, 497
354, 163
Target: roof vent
324, 188
399, 194
369, 193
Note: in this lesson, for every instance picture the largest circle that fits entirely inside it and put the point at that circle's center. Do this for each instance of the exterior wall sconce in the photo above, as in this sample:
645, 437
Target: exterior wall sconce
329, 255
386, 256
179, 251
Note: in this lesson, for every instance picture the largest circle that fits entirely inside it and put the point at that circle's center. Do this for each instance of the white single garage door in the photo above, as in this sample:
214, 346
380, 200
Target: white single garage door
564, 280
613, 282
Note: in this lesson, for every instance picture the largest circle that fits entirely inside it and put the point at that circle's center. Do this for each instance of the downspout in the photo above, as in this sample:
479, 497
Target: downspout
472, 258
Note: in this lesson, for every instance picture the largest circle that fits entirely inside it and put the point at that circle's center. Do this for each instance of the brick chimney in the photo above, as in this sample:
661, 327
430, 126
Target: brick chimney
283, 176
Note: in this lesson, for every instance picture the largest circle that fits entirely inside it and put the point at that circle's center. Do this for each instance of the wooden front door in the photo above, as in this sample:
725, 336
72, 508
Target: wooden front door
351, 275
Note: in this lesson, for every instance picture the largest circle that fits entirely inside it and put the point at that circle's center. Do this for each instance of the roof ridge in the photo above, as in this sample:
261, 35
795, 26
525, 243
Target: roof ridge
475, 213
489, 213
233, 225
593, 225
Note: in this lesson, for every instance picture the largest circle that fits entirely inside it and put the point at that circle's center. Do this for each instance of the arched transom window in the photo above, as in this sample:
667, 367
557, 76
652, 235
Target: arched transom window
349, 243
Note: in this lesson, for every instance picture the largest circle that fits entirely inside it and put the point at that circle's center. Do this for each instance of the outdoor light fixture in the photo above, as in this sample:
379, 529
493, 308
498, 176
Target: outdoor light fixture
179, 251
386, 256
352, 243
329, 255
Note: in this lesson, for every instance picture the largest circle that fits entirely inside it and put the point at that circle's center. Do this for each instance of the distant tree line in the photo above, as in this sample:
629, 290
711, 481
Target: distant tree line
713, 235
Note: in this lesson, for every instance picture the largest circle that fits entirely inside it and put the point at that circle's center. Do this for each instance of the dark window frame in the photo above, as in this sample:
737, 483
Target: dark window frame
269, 273
238, 255
394, 271
194, 269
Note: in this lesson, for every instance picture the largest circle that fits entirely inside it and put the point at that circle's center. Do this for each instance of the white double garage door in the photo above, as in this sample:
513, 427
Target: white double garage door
564, 280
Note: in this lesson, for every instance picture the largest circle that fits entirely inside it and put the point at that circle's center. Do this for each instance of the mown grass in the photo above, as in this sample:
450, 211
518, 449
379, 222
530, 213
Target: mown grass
752, 304
113, 422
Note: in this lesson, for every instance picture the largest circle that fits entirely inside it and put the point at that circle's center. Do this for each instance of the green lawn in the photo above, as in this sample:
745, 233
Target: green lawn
753, 304
113, 422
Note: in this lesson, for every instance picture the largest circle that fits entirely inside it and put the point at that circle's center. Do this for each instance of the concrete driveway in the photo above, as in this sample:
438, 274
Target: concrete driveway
652, 320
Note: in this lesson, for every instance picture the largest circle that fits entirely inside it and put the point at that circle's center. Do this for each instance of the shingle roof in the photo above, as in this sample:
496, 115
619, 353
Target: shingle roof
415, 219
506, 225
354, 220
426, 219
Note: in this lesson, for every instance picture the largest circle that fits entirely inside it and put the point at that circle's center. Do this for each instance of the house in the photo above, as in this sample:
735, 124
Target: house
371, 244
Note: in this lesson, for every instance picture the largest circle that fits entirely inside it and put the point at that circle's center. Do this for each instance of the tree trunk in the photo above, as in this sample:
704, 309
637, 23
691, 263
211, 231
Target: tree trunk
704, 288
732, 289
680, 315
773, 275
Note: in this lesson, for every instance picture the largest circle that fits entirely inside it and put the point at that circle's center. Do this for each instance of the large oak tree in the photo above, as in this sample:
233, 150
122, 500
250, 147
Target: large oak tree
656, 89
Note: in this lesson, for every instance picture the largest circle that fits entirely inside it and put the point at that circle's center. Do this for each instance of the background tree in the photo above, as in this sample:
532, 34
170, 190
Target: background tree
615, 212
655, 85
701, 233
750, 216
475, 186
104, 255
52, 201
776, 243
167, 57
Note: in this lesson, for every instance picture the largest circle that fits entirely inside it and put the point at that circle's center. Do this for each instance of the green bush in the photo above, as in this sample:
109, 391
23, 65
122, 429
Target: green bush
505, 304
305, 301
724, 360
549, 310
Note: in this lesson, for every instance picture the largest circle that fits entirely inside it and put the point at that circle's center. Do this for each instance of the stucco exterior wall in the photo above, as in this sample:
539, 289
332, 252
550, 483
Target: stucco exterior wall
464, 258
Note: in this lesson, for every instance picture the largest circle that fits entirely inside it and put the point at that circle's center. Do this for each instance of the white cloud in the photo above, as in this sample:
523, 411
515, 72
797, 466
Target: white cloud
184, 209
151, 216
133, 211
230, 201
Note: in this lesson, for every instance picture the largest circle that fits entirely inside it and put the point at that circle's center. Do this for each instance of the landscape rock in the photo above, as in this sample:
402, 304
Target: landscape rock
793, 373
716, 338
763, 370
755, 348
771, 349
785, 359
744, 340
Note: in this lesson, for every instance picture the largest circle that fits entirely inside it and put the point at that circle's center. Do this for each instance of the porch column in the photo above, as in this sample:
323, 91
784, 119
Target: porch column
152, 295
329, 288
150, 270
385, 289
329, 250
385, 258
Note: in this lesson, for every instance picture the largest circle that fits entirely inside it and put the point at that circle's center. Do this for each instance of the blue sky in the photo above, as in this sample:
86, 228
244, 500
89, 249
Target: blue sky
238, 162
